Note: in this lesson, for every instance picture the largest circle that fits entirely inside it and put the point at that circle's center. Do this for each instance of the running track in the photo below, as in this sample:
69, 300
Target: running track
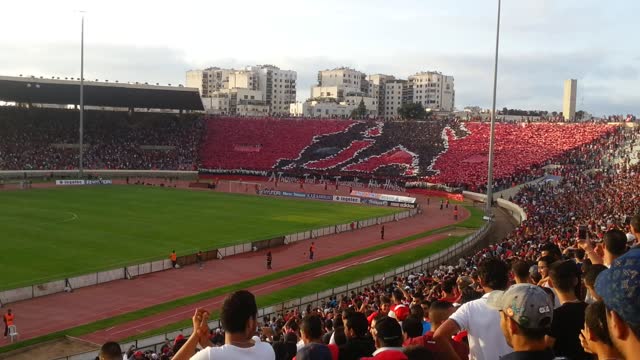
44, 315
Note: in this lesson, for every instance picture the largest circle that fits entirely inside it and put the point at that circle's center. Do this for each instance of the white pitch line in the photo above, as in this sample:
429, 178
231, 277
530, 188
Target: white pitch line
74, 216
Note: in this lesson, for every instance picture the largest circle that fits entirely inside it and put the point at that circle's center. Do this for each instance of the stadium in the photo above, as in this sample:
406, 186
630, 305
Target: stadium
175, 210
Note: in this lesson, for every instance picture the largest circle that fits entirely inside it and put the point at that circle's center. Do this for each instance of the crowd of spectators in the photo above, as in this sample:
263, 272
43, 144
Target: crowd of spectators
564, 284
46, 139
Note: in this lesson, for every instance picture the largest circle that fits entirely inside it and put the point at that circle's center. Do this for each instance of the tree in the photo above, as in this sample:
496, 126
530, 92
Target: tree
360, 112
413, 111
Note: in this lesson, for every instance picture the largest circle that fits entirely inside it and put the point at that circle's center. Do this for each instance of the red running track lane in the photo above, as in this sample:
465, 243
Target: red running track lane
185, 312
44, 315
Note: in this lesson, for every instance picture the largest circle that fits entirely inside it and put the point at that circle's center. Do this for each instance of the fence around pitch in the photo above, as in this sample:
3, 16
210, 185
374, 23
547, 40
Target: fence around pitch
155, 343
127, 272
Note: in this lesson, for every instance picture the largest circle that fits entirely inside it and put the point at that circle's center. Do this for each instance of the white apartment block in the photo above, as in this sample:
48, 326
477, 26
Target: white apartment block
434, 90
277, 89
394, 95
348, 80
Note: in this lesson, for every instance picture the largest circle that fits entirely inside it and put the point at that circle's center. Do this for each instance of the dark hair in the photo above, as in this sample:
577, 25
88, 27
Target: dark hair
494, 273
385, 300
635, 223
417, 311
592, 273
553, 249
328, 324
469, 294
536, 333
312, 326
564, 275
448, 285
595, 317
615, 241
580, 254
111, 351
547, 260
397, 294
520, 269
412, 325
418, 353
237, 309
339, 336
389, 332
357, 321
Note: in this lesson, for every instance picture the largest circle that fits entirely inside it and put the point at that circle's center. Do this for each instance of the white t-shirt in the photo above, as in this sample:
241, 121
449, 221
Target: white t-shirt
260, 351
486, 341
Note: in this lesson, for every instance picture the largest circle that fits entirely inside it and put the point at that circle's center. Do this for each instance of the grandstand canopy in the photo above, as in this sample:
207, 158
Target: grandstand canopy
67, 92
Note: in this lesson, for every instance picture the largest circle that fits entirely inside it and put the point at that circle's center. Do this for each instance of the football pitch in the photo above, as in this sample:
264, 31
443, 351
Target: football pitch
51, 234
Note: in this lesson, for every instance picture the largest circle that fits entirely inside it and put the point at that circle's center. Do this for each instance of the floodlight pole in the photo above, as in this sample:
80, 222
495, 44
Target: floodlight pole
493, 121
80, 165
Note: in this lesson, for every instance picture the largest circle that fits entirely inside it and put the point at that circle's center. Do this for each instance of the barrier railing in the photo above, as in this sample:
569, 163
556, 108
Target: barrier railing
445, 256
129, 271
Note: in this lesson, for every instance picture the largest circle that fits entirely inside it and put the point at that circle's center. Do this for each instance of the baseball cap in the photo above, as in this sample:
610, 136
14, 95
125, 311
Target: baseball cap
526, 304
619, 286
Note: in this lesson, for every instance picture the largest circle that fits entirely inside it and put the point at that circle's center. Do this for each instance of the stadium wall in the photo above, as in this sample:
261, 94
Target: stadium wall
38, 174
445, 256
130, 271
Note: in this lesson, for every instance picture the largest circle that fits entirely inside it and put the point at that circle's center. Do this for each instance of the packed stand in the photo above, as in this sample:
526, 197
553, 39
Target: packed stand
564, 284
46, 139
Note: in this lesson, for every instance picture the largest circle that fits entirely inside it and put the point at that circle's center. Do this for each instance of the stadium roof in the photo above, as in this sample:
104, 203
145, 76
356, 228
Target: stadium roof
67, 92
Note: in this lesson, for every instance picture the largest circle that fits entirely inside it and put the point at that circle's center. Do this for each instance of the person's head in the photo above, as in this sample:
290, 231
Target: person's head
239, 312
328, 325
543, 265
579, 254
493, 274
385, 305
520, 270
552, 250
418, 353
439, 312
590, 277
388, 333
412, 327
615, 244
635, 226
425, 306
564, 276
397, 296
448, 286
311, 329
110, 351
526, 313
464, 282
417, 311
595, 325
355, 325
619, 288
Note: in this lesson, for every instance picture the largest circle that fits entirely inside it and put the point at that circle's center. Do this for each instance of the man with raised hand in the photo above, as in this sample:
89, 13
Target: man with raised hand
482, 323
239, 321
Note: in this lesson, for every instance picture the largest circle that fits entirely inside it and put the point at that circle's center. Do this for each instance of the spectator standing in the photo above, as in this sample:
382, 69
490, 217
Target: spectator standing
619, 287
200, 259
382, 233
269, 260
486, 341
311, 334
526, 312
388, 340
564, 335
595, 337
110, 351
312, 250
239, 320
359, 344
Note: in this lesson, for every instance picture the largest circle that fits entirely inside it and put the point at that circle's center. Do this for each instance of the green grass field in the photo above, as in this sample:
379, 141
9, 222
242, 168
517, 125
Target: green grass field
56, 233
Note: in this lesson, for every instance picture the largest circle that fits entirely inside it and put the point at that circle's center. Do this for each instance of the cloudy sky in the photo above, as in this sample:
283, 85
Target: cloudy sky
543, 42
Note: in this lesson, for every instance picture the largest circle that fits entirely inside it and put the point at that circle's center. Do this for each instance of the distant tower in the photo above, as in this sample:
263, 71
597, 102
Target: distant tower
569, 99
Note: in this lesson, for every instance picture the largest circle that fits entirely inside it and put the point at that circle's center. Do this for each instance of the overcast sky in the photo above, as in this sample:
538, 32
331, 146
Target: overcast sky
543, 42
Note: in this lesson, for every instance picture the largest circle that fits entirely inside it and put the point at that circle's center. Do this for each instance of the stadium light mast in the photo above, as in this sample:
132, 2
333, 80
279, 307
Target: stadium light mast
493, 120
81, 131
